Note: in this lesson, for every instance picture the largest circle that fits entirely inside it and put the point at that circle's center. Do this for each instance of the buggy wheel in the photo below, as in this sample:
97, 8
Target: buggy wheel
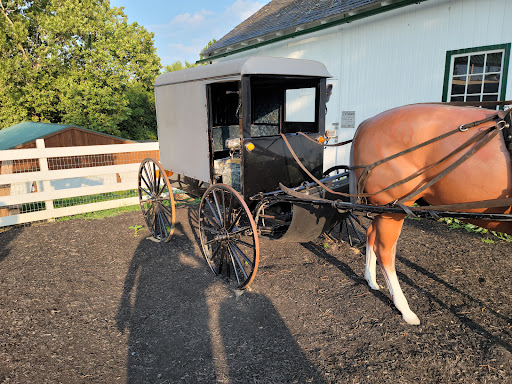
228, 235
156, 199
352, 226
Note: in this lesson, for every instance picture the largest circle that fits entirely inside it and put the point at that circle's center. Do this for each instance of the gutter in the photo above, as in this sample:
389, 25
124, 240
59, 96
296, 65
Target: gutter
344, 20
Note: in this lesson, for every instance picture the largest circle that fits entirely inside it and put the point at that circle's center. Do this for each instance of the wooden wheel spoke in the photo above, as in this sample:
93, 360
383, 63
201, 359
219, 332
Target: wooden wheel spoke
220, 258
166, 209
217, 219
235, 257
149, 184
233, 263
146, 192
162, 224
148, 212
212, 230
213, 223
244, 243
218, 208
242, 254
238, 231
165, 213
160, 190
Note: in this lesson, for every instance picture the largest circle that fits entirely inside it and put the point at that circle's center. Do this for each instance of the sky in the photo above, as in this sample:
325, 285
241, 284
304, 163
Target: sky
183, 28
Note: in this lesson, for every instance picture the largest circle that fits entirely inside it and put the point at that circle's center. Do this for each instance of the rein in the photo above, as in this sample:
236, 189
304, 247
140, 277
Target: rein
481, 139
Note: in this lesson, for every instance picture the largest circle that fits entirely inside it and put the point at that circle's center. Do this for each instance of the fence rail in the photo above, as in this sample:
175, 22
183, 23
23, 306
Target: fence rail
46, 183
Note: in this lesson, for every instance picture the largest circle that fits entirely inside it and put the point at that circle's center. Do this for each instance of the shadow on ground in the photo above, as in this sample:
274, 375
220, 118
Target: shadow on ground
185, 326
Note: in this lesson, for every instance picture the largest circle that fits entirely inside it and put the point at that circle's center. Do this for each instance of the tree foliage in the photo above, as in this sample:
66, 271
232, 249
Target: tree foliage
178, 65
76, 62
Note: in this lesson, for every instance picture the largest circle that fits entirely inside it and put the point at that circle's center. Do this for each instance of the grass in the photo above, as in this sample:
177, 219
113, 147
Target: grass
99, 215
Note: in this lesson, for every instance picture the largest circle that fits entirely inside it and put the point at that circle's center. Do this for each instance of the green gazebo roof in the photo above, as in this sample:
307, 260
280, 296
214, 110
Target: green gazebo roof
16, 135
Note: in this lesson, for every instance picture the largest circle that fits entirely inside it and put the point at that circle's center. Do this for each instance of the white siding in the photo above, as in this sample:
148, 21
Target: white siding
397, 57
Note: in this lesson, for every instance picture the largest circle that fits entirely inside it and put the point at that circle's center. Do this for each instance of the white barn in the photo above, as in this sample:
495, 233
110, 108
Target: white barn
384, 54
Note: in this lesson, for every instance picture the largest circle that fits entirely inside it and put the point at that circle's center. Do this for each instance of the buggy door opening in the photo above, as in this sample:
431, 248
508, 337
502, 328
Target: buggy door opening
224, 111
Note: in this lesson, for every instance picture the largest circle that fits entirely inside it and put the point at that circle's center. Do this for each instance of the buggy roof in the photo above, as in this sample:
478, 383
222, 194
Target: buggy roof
258, 65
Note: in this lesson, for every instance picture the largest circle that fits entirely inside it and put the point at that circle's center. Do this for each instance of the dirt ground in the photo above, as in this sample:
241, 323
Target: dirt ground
90, 301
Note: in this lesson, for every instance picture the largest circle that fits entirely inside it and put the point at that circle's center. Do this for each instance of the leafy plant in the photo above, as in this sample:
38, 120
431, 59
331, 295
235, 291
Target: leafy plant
137, 229
458, 224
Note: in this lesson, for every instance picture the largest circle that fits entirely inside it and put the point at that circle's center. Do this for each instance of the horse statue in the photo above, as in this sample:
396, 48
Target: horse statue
438, 170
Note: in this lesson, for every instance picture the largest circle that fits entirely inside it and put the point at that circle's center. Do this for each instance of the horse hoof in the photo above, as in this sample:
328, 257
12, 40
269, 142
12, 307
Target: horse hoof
375, 287
371, 282
411, 318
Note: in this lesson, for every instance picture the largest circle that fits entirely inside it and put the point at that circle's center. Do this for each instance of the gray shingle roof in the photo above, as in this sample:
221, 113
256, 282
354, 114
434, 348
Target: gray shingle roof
279, 15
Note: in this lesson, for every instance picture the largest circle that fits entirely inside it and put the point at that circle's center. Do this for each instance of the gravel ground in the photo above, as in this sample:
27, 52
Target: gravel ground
91, 301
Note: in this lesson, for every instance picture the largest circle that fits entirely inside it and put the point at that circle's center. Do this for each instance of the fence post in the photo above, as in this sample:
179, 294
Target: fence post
43, 166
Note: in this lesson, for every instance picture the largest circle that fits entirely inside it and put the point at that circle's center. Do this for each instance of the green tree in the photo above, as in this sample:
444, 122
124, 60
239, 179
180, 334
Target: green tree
77, 62
178, 65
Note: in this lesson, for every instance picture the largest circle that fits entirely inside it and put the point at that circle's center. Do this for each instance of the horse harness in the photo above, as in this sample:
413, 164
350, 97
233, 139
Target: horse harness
503, 121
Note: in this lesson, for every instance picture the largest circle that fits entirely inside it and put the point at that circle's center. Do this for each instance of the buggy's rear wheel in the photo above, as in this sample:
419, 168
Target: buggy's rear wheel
156, 199
228, 235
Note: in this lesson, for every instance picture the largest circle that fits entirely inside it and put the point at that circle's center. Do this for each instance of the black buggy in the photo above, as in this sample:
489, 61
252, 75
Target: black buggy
226, 131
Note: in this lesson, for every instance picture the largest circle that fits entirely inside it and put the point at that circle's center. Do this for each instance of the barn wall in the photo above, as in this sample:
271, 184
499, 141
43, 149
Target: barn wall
394, 58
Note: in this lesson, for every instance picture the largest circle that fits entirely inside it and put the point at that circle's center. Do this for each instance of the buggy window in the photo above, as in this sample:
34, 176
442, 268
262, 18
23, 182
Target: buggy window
300, 105
283, 105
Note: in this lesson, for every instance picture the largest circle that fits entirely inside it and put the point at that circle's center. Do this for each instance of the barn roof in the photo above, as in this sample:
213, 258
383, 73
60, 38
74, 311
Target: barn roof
18, 134
281, 19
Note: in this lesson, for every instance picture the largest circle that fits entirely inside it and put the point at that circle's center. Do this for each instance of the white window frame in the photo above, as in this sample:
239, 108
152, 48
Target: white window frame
449, 76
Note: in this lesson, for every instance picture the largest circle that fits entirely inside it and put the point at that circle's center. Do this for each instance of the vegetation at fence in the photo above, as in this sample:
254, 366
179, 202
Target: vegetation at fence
76, 62
457, 224
98, 215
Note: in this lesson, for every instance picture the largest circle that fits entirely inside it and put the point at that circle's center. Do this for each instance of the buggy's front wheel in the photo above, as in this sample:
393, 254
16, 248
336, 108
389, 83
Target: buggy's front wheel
156, 199
229, 238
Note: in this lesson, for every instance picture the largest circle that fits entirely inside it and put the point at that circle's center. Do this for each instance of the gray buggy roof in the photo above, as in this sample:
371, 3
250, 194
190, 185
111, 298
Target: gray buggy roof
258, 65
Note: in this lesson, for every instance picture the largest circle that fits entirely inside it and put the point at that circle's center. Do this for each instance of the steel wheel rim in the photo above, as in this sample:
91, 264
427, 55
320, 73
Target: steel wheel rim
156, 199
228, 234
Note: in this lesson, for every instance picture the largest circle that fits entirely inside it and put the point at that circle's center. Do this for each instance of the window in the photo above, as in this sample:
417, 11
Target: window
476, 74
300, 105
284, 104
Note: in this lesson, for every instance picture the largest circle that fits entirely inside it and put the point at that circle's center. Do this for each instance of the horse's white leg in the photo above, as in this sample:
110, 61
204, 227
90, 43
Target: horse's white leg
388, 228
370, 273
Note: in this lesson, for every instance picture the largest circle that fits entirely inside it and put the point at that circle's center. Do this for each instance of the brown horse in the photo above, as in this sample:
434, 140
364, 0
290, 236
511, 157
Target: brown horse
485, 175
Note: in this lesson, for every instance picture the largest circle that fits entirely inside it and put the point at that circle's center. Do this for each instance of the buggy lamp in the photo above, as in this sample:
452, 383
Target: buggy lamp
249, 146
321, 139
233, 143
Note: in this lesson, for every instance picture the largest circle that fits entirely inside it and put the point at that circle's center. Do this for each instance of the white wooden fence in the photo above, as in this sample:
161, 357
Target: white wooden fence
47, 179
